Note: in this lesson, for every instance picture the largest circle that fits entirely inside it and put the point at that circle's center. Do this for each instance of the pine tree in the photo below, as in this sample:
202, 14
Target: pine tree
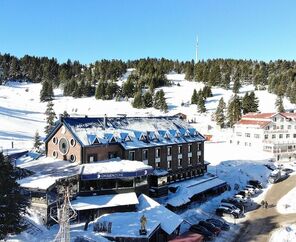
101, 90
236, 85
219, 114
50, 116
234, 110
46, 92
148, 100
255, 102
13, 203
201, 104
279, 104
138, 100
37, 140
65, 114
159, 101
194, 97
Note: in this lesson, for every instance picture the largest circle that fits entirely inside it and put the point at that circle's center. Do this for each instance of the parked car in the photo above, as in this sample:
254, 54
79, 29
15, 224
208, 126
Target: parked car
231, 206
235, 202
243, 193
255, 189
250, 191
255, 183
221, 211
219, 223
288, 170
208, 235
209, 226
241, 198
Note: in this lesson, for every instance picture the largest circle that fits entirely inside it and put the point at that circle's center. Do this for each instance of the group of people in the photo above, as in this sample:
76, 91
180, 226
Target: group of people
264, 204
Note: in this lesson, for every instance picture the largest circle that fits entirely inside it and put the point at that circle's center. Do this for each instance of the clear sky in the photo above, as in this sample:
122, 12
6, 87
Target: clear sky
90, 30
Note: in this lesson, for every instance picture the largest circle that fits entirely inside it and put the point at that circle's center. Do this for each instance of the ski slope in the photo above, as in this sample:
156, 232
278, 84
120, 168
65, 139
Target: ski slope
22, 113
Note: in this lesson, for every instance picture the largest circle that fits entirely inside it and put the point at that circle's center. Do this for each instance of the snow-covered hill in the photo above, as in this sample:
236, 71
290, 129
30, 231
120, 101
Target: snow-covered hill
22, 113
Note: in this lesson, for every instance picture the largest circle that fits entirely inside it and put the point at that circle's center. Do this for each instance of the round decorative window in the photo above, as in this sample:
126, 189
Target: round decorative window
73, 142
55, 140
55, 154
73, 158
64, 146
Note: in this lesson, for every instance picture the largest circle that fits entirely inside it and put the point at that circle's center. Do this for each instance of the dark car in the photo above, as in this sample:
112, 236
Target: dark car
243, 193
221, 211
211, 227
219, 223
288, 170
195, 228
255, 183
235, 203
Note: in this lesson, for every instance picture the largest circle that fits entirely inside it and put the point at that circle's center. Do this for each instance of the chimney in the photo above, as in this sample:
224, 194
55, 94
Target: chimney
105, 121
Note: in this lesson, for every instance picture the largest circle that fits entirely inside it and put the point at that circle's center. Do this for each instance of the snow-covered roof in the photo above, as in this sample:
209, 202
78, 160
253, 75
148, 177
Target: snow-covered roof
132, 132
187, 189
115, 166
104, 201
46, 170
128, 224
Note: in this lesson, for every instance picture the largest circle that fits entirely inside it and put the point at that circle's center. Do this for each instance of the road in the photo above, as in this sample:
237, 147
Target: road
262, 221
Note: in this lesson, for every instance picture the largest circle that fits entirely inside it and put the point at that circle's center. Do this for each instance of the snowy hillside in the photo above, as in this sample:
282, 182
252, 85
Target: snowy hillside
22, 113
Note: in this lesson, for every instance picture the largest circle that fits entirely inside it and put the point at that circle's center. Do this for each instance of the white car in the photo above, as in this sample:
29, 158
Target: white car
252, 188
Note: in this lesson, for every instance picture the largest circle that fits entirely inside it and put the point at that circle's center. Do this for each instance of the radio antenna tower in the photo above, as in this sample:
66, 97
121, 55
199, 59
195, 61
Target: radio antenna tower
196, 50
65, 213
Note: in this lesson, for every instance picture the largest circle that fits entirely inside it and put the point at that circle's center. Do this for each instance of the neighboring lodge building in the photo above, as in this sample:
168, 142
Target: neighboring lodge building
271, 132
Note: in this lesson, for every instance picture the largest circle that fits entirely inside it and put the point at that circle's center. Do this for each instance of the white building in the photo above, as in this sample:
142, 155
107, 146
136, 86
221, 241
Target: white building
272, 132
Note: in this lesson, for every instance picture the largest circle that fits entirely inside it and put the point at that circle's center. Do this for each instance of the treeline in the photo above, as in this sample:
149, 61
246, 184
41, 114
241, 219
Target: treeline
279, 76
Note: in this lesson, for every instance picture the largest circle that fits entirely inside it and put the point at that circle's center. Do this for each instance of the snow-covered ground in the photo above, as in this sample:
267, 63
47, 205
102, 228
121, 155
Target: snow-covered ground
287, 204
286, 233
22, 113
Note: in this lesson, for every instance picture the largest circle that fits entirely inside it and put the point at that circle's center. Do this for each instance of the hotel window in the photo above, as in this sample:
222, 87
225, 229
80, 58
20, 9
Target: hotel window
256, 136
131, 155
157, 164
198, 159
157, 152
274, 126
169, 164
179, 162
248, 135
198, 146
145, 154
180, 149
266, 136
190, 148
281, 136
274, 119
169, 150
287, 135
294, 135
190, 161
282, 126
289, 126
273, 136
125, 182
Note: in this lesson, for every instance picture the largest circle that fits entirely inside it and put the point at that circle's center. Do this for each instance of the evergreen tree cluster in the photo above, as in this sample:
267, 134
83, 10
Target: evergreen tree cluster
228, 116
50, 117
13, 203
149, 100
279, 75
199, 98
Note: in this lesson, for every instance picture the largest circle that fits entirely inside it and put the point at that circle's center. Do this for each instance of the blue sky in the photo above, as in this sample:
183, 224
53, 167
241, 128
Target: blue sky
129, 29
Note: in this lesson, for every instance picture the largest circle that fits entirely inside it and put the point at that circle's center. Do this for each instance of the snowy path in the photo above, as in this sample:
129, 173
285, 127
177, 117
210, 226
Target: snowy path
262, 222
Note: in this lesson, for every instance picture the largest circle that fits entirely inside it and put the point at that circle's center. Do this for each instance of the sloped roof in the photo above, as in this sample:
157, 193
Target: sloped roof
258, 115
262, 124
156, 129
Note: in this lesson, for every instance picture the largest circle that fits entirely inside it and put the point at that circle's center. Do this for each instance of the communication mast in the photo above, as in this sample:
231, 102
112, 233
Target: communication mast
64, 214
196, 50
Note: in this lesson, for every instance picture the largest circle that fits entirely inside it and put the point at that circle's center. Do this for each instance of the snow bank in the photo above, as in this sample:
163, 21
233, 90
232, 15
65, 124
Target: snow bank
287, 233
287, 204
